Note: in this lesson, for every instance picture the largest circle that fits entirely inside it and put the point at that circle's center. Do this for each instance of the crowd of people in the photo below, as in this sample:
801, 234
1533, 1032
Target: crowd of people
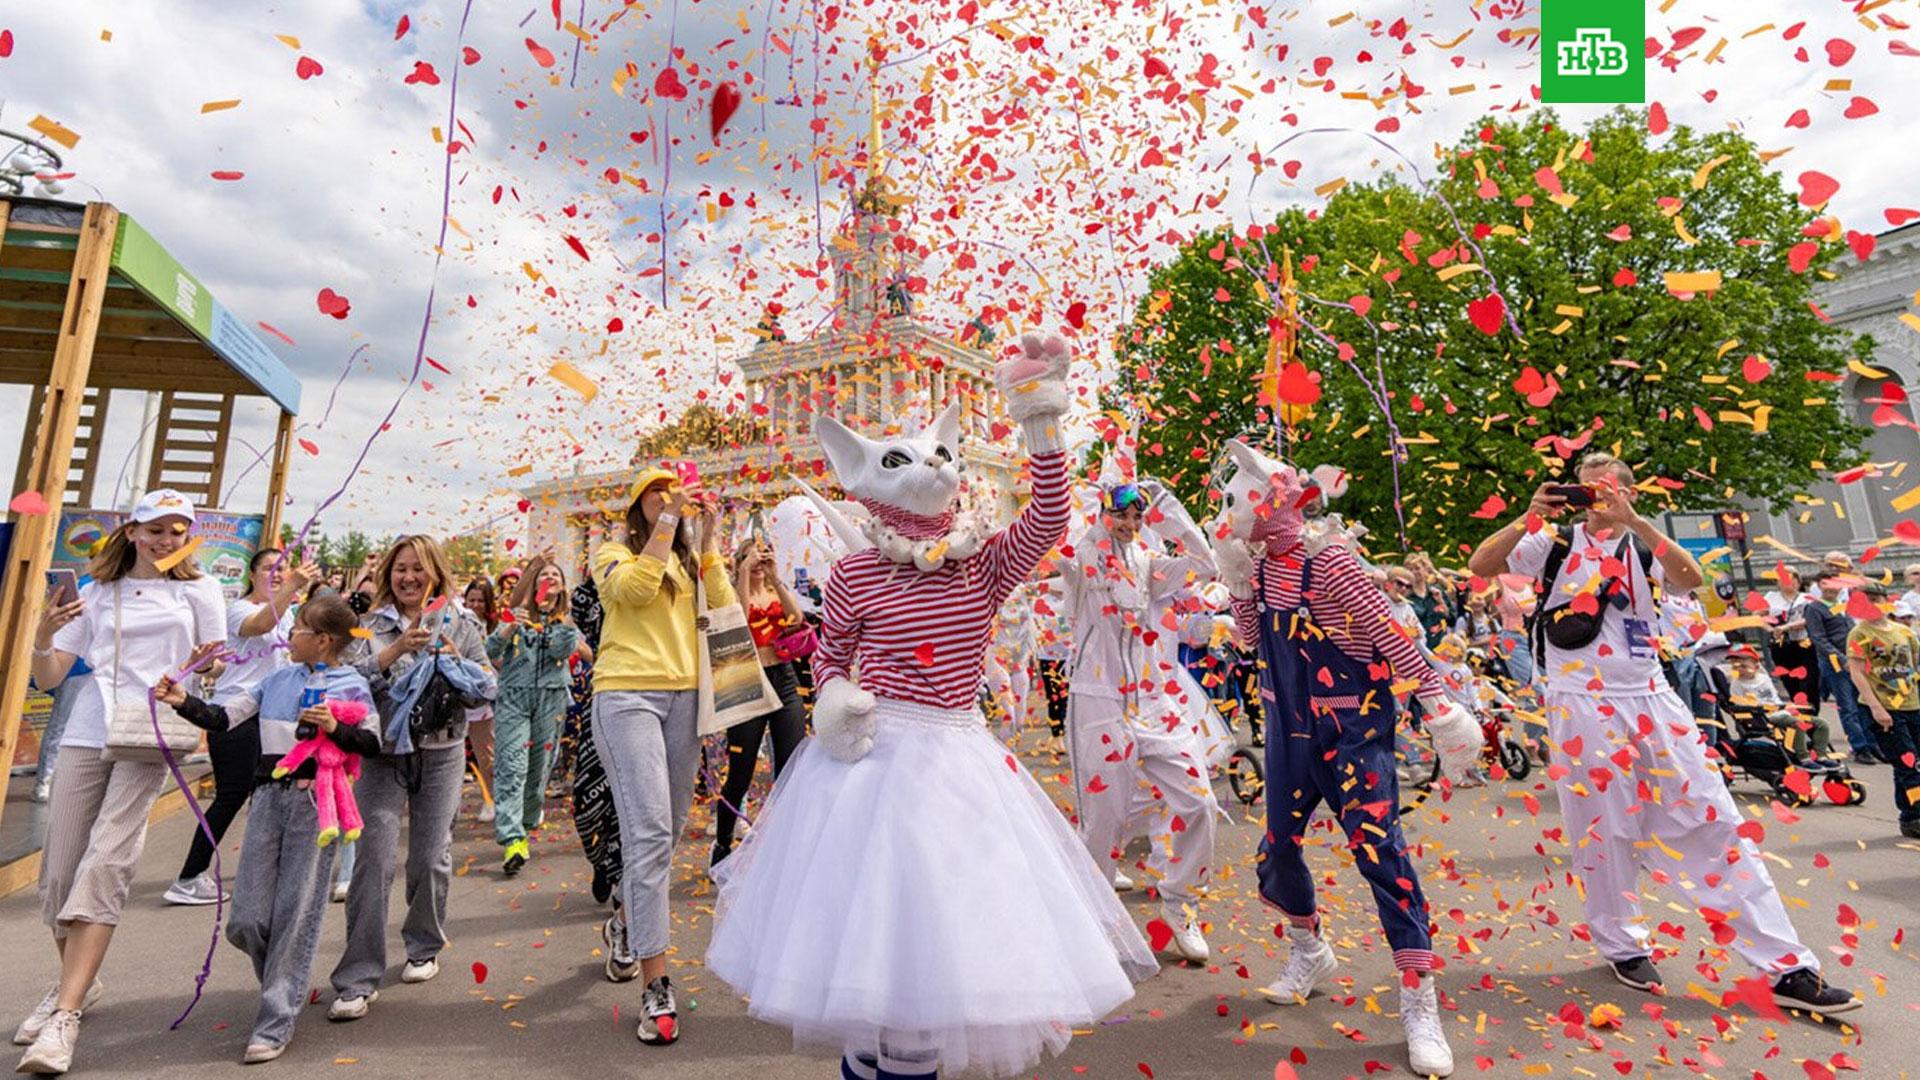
1150, 634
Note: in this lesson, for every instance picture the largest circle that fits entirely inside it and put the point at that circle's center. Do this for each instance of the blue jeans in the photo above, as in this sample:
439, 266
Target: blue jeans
64, 696
1846, 701
1901, 744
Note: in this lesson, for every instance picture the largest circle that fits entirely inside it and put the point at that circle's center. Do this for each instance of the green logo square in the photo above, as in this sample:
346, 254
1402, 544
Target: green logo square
1593, 51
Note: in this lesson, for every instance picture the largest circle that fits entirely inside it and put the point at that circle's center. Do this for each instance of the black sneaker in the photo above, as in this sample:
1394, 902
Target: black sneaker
1910, 829
1805, 989
659, 1020
1867, 757
1639, 973
719, 855
602, 886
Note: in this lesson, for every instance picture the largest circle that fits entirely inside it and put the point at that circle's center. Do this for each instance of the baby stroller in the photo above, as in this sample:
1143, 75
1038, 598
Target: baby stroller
1750, 746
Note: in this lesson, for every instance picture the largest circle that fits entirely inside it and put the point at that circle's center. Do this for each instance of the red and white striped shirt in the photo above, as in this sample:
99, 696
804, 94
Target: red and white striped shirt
919, 636
1345, 605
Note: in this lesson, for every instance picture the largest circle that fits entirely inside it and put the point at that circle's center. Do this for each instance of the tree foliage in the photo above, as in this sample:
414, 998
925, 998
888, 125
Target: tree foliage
1575, 232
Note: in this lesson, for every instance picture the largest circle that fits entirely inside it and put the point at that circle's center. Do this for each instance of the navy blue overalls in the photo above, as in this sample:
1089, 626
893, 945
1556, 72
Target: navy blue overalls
1321, 745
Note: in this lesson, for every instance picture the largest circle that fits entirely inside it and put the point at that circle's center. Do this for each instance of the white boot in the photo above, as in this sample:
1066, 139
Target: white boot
1427, 1051
1310, 961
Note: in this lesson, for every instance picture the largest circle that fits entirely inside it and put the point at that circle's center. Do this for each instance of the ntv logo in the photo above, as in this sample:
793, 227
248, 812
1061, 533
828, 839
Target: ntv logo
1593, 51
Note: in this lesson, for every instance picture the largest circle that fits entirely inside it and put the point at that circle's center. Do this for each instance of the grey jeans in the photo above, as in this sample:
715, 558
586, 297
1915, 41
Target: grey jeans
382, 794
650, 745
279, 903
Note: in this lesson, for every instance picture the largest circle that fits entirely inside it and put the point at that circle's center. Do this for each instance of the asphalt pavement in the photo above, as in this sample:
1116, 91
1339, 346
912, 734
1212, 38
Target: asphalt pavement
521, 989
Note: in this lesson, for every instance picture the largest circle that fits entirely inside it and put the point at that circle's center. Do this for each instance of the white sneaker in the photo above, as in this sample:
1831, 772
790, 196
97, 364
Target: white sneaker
1122, 883
29, 1029
1427, 1051
1309, 962
420, 971
43, 790
261, 1053
339, 892
350, 1008
52, 1051
486, 813
1190, 943
196, 892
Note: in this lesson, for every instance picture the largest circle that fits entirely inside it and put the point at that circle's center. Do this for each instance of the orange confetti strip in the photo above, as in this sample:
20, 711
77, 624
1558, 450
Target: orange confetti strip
219, 106
569, 376
182, 555
53, 130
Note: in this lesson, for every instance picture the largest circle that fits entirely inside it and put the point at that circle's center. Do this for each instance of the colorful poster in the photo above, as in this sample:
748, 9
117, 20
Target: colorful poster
227, 544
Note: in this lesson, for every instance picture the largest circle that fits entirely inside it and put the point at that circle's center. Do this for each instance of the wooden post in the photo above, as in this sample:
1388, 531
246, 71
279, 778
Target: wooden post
33, 538
277, 481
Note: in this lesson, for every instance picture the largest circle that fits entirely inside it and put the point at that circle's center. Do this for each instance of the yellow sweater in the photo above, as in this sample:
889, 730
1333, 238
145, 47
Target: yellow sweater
646, 639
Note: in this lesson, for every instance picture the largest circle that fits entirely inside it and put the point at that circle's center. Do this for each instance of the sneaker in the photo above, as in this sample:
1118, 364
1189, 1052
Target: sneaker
419, 971
43, 790
52, 1051
339, 892
1639, 973
718, 856
659, 1021
517, 854
196, 892
1910, 829
261, 1053
30, 1027
1190, 943
622, 965
1427, 1051
1309, 963
1123, 883
344, 1009
602, 887
486, 814
1867, 757
1805, 989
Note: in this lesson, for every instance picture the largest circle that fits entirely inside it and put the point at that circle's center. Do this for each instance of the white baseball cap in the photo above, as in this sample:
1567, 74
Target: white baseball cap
161, 503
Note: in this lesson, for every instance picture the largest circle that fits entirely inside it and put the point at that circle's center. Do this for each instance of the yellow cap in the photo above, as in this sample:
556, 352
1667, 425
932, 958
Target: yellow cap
649, 478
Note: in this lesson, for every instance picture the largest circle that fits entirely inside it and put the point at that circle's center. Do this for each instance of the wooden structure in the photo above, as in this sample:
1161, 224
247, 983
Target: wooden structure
91, 303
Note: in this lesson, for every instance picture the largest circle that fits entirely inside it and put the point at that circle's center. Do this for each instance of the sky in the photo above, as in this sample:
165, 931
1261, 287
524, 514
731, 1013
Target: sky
1050, 153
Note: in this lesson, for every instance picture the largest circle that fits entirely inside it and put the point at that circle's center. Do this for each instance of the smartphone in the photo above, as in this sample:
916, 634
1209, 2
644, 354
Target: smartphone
63, 586
1575, 494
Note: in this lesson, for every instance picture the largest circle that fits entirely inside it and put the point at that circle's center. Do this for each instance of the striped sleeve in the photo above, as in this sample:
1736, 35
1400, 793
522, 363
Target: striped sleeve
1246, 621
1340, 580
839, 628
1014, 551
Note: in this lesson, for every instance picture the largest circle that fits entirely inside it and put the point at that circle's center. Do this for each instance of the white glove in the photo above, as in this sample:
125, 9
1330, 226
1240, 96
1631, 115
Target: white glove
843, 720
1235, 560
1456, 736
1034, 385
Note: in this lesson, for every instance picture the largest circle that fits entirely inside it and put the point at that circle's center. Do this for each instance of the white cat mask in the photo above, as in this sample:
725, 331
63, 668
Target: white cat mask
918, 473
1265, 497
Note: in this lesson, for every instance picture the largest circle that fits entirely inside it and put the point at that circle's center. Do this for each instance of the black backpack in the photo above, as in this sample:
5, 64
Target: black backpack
1568, 629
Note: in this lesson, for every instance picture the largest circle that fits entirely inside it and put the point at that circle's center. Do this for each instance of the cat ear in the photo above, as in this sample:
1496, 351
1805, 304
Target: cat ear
847, 452
1247, 457
945, 428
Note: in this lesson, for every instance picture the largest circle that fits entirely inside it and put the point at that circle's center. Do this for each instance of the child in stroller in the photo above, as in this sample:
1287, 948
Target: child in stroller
1761, 734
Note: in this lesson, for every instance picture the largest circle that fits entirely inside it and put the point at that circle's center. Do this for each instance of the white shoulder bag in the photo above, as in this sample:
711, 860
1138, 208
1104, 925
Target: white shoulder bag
733, 686
131, 734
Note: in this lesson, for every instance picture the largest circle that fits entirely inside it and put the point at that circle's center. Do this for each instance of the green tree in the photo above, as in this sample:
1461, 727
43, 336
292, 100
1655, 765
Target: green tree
1576, 231
353, 550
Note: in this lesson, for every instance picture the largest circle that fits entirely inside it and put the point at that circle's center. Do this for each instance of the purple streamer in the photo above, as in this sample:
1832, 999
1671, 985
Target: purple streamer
206, 829
348, 369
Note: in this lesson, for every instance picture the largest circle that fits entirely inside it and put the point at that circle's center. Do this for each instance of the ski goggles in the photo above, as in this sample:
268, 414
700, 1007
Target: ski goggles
1118, 498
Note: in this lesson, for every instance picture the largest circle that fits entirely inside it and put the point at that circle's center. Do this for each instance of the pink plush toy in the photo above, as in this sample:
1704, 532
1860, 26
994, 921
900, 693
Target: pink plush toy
333, 783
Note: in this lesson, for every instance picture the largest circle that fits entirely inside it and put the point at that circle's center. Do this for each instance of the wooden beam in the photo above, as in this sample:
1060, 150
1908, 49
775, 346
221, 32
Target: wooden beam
277, 480
46, 320
27, 341
122, 298
25, 584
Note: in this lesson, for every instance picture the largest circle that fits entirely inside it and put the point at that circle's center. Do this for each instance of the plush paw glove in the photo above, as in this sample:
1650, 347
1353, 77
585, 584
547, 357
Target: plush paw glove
1235, 561
1034, 383
843, 720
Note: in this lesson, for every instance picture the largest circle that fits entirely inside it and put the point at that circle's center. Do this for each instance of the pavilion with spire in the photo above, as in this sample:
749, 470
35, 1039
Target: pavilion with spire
875, 362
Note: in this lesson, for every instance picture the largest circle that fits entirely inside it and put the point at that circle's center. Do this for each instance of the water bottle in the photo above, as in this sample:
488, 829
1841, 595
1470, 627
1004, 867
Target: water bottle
314, 694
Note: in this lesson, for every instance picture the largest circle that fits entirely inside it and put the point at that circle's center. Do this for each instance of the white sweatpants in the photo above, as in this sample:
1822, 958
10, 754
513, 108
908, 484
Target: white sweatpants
1638, 793
1131, 783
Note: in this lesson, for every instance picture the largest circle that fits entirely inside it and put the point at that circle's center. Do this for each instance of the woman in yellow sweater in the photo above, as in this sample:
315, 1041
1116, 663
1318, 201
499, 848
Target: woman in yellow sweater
645, 726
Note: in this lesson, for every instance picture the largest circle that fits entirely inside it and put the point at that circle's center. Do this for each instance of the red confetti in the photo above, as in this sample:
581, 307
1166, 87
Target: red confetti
308, 446
423, 73
1860, 107
6, 44
28, 502
469, 55
275, 331
400, 29
1492, 508
1487, 313
541, 55
479, 972
332, 303
227, 174
578, 248
1077, 315
1755, 368
924, 654
1816, 188
1158, 934
726, 101
667, 84
1298, 386
1839, 51
307, 67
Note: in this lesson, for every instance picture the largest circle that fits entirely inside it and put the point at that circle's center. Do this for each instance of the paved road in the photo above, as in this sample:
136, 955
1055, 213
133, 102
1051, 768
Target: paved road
1496, 882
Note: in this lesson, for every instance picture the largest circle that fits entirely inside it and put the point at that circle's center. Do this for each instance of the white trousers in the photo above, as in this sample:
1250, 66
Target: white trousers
1131, 783
1639, 793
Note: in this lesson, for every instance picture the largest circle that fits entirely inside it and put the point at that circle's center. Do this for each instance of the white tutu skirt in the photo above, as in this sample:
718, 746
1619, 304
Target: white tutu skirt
927, 897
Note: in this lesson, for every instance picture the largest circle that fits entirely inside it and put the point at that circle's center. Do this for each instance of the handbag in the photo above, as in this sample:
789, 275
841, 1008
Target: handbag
796, 644
141, 731
733, 686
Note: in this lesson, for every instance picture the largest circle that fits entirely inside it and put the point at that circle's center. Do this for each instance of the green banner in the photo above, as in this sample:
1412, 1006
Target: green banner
1593, 51
140, 259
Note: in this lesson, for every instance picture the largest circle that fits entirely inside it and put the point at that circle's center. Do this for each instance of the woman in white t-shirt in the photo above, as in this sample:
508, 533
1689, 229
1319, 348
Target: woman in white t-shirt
258, 624
135, 624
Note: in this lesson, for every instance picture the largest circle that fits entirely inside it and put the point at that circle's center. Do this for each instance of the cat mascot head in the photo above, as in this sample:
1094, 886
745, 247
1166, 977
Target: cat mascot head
907, 483
1267, 501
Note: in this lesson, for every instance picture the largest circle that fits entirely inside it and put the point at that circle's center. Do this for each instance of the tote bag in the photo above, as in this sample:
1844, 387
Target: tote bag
733, 686
140, 730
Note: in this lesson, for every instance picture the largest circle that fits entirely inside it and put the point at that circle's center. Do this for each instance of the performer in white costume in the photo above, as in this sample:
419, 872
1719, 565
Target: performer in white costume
1133, 731
911, 897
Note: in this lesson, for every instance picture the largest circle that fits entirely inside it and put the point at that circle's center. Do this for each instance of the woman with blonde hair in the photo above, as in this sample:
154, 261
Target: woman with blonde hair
148, 613
414, 615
